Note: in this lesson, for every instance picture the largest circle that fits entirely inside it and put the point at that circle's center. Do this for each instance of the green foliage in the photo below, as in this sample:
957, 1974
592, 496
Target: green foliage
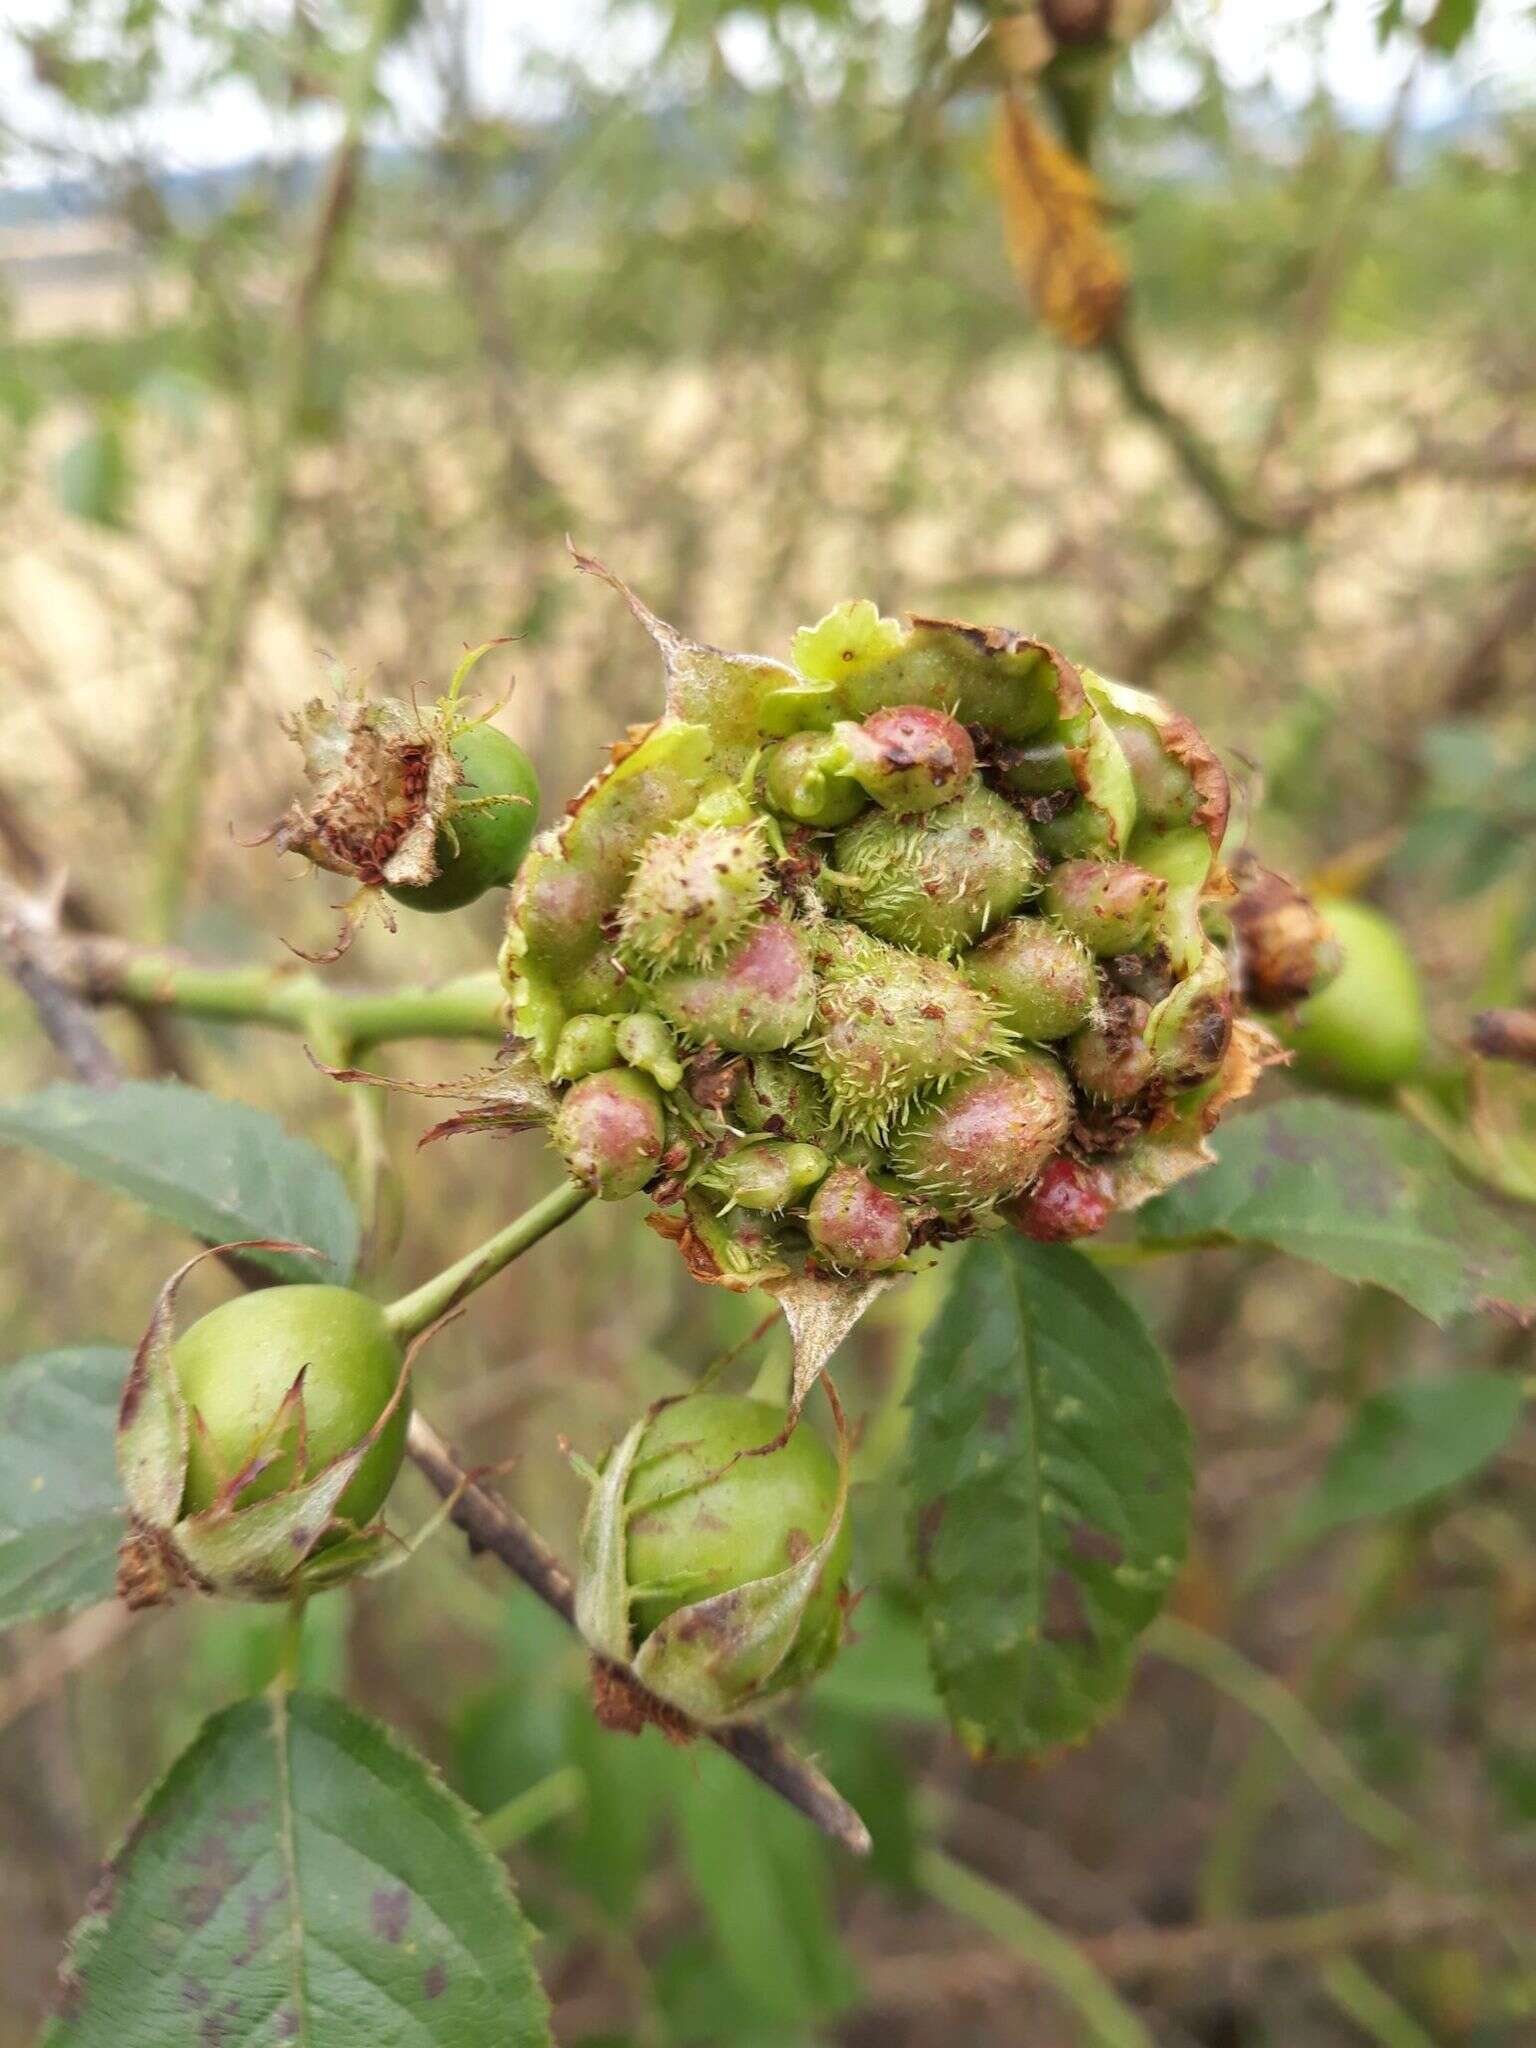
1364, 1194
763, 1888
61, 1506
301, 1875
219, 1169
1407, 1444
1049, 1488
93, 477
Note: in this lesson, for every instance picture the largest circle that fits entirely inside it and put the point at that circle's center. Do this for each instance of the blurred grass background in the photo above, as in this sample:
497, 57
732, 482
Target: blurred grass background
723, 294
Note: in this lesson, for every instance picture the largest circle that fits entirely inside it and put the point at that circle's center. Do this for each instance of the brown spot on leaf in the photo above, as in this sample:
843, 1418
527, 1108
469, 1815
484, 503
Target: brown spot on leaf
1066, 1615
390, 1912
929, 1523
1096, 1546
434, 1982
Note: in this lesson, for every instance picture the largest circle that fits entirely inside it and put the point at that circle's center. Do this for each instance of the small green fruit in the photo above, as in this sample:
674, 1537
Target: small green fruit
908, 757
803, 779
769, 1177
491, 820
1367, 1029
1041, 979
238, 1363
937, 881
854, 1225
985, 1137
610, 1131
696, 1529
586, 1045
1110, 905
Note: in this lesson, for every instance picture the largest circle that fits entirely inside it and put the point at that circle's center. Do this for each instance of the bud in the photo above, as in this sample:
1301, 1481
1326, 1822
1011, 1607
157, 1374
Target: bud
1110, 1058
256, 1450
855, 1226
1043, 769
610, 1132
986, 1137
1108, 904
774, 1097
935, 881
713, 1555
586, 1045
1041, 979
803, 779
1069, 1200
891, 1025
908, 757
693, 892
759, 999
643, 1040
769, 1177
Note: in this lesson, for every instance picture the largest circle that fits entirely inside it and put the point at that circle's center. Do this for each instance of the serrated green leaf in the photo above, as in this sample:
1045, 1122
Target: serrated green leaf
61, 1507
1406, 1444
301, 1877
1361, 1192
221, 1170
1049, 1487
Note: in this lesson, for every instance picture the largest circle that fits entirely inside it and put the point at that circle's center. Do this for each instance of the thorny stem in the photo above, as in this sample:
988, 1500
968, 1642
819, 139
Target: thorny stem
415, 1312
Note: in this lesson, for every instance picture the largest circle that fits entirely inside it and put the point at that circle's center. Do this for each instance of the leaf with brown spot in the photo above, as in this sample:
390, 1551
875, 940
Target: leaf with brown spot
273, 1890
1049, 1494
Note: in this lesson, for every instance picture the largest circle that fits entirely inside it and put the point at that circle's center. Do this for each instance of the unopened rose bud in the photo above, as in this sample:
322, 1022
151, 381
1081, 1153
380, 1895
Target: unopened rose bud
1110, 905
908, 757
1042, 979
855, 1226
610, 1131
985, 1137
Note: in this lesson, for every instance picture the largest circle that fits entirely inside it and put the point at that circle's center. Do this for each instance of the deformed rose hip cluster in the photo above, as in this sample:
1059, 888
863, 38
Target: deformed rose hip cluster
920, 936
924, 934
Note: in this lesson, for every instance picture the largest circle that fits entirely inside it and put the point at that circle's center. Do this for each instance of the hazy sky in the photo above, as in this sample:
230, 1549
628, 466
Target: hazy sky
1255, 41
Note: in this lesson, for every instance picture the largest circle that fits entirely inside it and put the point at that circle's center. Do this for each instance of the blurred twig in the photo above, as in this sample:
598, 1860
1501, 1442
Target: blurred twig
1506, 1035
244, 568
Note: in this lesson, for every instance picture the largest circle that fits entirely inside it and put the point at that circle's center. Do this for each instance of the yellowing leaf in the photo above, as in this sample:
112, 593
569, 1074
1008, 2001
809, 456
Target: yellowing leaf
1053, 217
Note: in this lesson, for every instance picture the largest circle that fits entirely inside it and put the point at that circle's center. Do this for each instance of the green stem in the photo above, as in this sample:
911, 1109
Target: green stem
1107, 2020
291, 1650
550, 1799
414, 1312
472, 1007
1372, 2009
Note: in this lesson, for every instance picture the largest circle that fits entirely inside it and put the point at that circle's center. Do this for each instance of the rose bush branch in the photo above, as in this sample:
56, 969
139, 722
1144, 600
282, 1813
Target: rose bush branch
289, 1002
